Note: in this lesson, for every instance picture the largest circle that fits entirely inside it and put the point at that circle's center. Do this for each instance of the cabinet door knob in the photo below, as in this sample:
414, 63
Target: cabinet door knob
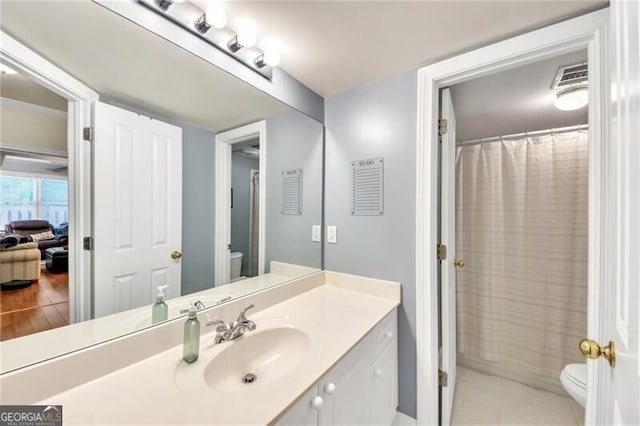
388, 334
331, 388
377, 372
317, 402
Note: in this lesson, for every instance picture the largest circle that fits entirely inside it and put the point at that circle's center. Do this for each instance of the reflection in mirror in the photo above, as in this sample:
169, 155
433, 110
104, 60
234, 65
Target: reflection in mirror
204, 188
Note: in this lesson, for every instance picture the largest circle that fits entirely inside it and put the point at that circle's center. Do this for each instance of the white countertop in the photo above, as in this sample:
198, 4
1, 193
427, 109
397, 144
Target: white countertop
333, 316
33, 348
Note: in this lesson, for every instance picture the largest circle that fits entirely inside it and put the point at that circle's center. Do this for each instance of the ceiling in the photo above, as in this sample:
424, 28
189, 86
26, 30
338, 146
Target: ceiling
126, 63
21, 88
334, 46
331, 46
514, 101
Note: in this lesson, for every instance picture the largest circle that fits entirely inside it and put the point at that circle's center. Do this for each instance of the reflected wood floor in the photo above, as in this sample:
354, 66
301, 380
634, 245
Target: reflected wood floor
41, 306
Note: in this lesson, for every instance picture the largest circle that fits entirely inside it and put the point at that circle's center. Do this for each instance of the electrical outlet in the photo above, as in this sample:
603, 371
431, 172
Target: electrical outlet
315, 233
332, 235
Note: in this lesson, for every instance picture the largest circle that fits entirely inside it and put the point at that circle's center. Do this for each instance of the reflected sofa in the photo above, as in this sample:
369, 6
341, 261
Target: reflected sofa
21, 262
26, 228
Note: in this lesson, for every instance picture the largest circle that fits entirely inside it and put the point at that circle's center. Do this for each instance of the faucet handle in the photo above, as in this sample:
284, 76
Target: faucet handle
220, 324
242, 316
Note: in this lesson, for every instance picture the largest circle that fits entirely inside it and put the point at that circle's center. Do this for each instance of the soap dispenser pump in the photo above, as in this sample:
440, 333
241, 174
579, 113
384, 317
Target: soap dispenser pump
191, 344
160, 310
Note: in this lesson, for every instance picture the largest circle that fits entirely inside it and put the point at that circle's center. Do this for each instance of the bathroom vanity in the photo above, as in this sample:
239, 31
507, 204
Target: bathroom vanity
324, 352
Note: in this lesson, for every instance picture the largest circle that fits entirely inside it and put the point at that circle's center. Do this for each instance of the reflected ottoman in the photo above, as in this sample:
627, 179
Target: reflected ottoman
56, 259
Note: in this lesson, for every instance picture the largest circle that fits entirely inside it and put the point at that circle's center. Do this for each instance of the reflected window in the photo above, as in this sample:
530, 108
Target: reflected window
26, 198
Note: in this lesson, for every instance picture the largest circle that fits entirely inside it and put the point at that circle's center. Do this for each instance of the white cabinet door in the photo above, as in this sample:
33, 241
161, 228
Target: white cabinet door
345, 391
384, 386
137, 209
303, 412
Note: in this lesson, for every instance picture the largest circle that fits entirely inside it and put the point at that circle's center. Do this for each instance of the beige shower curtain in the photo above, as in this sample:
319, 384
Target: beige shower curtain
521, 213
254, 223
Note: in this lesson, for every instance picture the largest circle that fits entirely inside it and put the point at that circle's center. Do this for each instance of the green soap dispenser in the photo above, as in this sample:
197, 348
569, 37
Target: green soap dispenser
160, 310
191, 346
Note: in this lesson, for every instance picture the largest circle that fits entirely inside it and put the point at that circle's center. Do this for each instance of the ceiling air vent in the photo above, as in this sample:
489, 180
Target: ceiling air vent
570, 75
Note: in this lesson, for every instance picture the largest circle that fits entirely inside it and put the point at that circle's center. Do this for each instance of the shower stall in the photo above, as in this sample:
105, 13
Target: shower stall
521, 227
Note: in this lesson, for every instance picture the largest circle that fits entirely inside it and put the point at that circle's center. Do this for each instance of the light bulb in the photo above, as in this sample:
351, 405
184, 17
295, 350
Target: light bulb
216, 16
247, 35
572, 98
272, 56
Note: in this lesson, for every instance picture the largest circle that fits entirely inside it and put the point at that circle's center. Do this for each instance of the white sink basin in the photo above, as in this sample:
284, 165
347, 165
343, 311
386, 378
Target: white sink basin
266, 354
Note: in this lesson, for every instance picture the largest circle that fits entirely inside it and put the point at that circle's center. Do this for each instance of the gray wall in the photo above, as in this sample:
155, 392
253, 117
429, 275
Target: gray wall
378, 120
293, 141
241, 166
198, 201
198, 204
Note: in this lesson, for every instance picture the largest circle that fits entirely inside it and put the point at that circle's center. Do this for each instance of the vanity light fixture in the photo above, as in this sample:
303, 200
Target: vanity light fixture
5, 70
240, 45
271, 56
213, 17
572, 98
166, 4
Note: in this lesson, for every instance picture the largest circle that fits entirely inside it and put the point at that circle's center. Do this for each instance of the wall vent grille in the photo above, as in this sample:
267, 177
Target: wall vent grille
570, 75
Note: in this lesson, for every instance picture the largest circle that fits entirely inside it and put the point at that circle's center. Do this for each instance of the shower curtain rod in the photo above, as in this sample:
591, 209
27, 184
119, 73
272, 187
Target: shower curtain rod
524, 134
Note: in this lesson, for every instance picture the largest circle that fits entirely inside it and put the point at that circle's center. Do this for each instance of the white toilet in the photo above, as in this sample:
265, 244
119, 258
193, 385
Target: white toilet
236, 265
574, 380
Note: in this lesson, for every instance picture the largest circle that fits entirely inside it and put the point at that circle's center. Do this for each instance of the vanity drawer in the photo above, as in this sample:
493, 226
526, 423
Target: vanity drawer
383, 334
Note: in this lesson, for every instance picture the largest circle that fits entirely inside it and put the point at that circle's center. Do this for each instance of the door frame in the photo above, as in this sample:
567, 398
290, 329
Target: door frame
586, 31
222, 207
80, 114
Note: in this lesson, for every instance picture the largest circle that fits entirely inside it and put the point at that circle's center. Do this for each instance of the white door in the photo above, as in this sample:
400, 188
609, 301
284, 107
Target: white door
137, 209
447, 267
623, 247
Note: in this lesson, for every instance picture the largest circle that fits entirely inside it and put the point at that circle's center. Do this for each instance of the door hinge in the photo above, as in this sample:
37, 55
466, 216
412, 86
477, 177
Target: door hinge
442, 252
87, 134
87, 243
443, 378
442, 126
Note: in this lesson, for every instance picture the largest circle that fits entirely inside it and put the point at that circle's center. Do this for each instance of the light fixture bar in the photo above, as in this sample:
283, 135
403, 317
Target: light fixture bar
200, 27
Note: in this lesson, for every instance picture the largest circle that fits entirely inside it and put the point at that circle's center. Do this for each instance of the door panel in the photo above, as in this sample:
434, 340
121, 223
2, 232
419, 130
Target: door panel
447, 268
624, 210
137, 221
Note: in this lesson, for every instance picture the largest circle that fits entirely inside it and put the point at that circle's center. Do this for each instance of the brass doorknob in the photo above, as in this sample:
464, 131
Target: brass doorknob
458, 263
175, 255
592, 350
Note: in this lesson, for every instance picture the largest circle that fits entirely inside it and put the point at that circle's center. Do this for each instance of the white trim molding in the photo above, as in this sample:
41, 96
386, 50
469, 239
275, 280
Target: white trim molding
38, 109
587, 31
222, 167
79, 115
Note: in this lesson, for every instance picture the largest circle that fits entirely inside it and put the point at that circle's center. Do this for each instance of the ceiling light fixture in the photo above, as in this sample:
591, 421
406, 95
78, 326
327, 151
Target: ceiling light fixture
5, 70
572, 98
240, 45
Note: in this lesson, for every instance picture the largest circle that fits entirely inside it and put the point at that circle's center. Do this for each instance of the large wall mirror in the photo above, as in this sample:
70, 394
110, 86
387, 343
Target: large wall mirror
203, 188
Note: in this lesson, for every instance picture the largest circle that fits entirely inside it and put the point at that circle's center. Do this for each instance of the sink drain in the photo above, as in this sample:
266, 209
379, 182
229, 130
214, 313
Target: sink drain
249, 378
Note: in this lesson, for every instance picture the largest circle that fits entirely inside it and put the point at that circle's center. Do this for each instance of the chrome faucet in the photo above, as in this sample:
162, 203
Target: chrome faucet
226, 333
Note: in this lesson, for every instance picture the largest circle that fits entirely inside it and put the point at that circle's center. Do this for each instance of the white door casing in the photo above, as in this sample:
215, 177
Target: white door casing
222, 168
621, 385
586, 31
137, 209
447, 268
81, 98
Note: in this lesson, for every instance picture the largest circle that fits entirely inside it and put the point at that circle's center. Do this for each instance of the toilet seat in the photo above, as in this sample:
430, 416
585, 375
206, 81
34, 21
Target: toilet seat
574, 381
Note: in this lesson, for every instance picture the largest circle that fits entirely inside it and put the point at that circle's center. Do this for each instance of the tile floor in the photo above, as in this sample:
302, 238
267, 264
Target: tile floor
491, 400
